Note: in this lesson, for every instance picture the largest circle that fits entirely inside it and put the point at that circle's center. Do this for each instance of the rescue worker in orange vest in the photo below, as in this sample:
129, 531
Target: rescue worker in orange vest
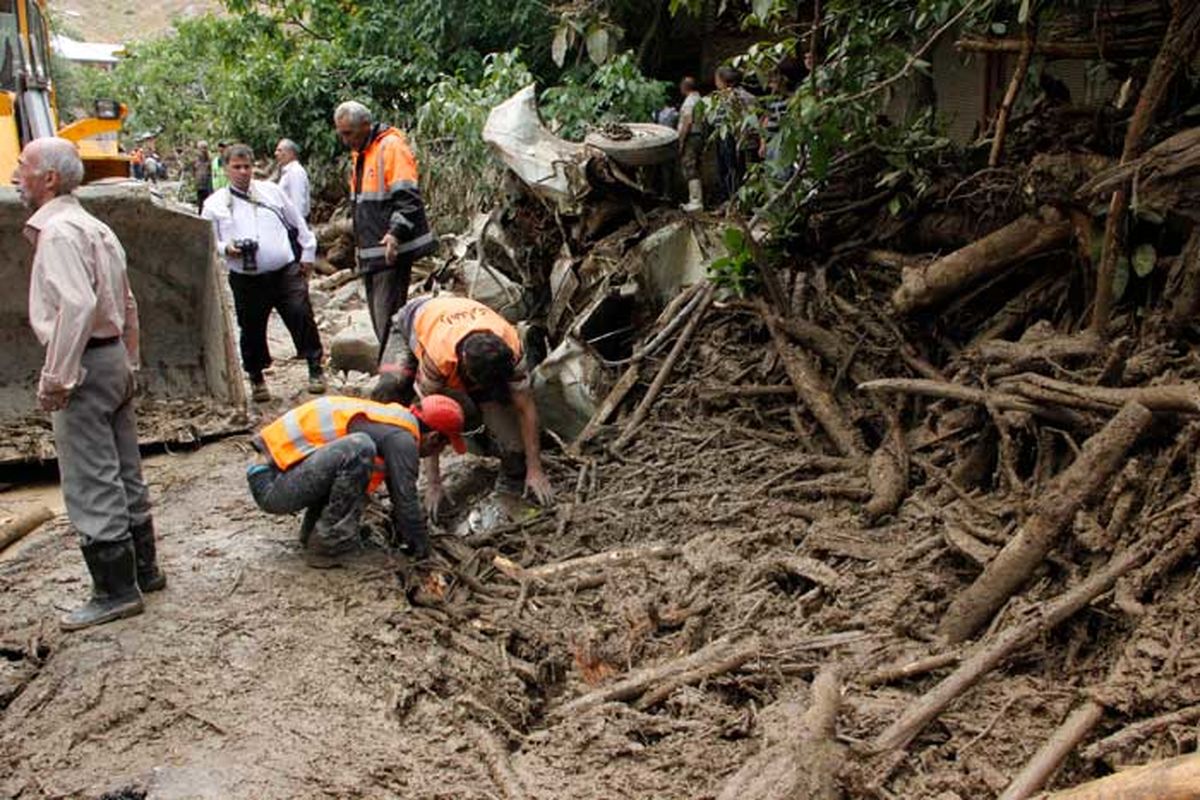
448, 345
390, 227
327, 455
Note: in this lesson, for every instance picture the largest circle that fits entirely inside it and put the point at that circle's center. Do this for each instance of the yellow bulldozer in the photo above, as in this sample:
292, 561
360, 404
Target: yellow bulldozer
190, 380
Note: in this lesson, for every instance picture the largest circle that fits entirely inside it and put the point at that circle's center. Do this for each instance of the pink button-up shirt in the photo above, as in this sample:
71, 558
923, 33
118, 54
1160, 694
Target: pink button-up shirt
78, 290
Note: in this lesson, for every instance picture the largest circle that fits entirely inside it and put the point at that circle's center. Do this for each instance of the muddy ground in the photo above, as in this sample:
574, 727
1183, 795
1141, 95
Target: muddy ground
253, 676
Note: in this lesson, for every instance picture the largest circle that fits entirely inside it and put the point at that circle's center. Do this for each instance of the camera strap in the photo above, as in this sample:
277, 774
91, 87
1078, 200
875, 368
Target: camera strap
293, 233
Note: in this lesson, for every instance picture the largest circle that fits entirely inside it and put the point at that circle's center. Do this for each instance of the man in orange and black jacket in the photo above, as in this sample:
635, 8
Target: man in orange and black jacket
390, 227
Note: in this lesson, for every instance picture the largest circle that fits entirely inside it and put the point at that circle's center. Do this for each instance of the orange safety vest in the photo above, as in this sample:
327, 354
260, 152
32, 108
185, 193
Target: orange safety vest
442, 322
383, 181
298, 433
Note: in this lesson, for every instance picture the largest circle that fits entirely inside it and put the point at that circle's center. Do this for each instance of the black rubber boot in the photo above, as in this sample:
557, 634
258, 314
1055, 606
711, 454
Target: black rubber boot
115, 592
149, 577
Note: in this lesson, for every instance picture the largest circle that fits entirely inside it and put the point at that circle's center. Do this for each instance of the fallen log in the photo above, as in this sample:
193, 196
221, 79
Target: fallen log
1102, 455
1139, 731
1051, 349
711, 393
1015, 243
22, 526
1177, 397
1045, 762
611, 558
1107, 50
988, 655
1173, 779
664, 372
815, 392
802, 762
495, 755
911, 668
638, 682
606, 409
887, 474
657, 694
1004, 401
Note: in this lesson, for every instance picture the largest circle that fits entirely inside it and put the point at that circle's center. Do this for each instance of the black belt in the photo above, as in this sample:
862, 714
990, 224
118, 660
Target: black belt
102, 341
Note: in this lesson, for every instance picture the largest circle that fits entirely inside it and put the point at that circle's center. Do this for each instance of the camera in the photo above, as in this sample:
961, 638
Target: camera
249, 250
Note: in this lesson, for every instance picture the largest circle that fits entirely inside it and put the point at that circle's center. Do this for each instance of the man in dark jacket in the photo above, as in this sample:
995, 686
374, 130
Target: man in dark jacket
390, 227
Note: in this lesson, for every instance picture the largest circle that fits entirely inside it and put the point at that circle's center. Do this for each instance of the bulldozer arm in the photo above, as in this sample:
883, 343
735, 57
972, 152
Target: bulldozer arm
190, 380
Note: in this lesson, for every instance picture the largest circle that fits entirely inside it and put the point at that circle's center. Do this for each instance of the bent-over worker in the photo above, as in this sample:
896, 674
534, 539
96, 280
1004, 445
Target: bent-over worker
454, 344
326, 456
82, 310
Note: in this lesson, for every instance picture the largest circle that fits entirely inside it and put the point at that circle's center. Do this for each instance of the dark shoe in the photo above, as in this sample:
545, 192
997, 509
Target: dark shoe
260, 393
115, 594
316, 380
319, 556
149, 577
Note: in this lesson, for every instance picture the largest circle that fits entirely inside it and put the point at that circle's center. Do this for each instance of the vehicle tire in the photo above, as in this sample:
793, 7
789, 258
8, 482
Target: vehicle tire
650, 144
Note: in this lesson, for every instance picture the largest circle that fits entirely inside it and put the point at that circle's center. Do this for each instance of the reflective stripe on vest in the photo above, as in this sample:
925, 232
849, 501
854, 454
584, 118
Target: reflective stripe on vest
301, 431
405, 247
442, 322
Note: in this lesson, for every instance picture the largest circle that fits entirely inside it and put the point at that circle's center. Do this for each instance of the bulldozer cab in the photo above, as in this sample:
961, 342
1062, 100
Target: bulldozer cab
190, 378
28, 104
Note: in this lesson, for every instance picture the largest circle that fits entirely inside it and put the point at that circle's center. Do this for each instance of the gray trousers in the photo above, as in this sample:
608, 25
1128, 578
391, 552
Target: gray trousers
330, 486
95, 437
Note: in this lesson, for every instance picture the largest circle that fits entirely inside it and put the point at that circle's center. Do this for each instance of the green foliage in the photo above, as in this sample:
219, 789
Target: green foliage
736, 269
616, 91
279, 68
460, 172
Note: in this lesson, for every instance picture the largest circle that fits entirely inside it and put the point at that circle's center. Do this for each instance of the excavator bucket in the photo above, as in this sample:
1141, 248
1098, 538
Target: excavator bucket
190, 381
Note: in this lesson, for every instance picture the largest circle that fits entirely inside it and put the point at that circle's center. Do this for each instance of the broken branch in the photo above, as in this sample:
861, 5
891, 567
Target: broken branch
1103, 454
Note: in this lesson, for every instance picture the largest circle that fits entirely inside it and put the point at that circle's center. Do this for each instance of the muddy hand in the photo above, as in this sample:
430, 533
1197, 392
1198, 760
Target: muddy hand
391, 248
538, 485
434, 495
53, 401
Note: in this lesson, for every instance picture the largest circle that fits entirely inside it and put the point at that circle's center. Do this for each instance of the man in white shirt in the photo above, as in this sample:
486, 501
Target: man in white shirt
293, 178
269, 251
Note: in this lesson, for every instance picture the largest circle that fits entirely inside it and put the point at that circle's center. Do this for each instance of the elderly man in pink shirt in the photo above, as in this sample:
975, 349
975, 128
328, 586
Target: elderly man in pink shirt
82, 310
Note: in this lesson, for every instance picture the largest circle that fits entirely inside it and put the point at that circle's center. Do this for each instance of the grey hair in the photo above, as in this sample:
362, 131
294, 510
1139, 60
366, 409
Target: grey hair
239, 150
62, 156
353, 112
289, 145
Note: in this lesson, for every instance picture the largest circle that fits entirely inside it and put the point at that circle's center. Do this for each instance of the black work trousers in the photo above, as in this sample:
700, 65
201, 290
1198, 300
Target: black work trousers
387, 292
286, 291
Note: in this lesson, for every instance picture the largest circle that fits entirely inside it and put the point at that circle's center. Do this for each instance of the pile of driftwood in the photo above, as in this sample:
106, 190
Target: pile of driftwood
1036, 392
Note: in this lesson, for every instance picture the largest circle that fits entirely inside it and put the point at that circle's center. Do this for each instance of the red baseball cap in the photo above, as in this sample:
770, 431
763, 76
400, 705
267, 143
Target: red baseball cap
444, 415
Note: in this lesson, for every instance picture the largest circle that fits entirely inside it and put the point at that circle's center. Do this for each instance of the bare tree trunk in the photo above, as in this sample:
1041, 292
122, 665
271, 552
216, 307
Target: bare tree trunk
1180, 43
1010, 96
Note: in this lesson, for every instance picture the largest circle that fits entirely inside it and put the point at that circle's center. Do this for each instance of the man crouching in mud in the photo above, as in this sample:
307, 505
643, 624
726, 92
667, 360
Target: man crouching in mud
326, 456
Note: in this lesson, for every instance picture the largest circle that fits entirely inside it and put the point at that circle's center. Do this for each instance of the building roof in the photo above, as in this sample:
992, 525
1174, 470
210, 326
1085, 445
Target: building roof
89, 52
